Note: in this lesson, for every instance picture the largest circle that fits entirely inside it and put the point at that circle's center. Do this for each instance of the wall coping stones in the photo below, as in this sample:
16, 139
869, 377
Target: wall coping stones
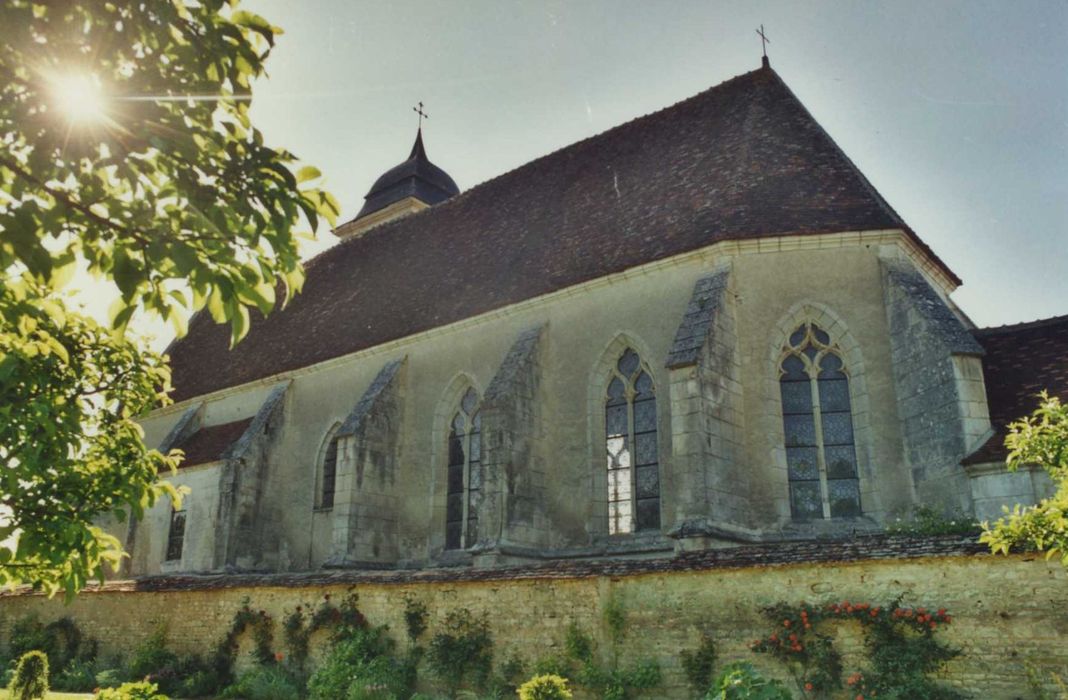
876, 547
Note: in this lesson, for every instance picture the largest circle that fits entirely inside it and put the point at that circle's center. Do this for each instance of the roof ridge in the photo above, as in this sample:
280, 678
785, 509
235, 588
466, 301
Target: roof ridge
1022, 325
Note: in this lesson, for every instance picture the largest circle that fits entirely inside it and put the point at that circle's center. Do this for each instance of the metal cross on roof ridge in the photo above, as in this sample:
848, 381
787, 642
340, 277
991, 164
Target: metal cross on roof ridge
764, 40
419, 110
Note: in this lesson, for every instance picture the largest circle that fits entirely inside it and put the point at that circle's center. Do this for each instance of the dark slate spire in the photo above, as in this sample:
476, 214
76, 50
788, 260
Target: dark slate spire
416, 177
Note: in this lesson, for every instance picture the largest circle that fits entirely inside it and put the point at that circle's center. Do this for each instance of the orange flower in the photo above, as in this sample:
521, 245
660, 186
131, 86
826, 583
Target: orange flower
808, 686
278, 656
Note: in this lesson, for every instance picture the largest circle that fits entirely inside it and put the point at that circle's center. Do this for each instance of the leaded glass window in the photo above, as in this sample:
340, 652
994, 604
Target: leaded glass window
176, 535
328, 485
631, 445
821, 457
463, 492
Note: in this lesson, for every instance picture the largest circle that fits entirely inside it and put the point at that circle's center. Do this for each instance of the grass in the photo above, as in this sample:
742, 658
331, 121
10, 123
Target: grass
4, 695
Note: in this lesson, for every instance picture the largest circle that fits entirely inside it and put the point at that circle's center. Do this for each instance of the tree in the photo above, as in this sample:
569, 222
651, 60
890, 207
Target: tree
1041, 440
126, 153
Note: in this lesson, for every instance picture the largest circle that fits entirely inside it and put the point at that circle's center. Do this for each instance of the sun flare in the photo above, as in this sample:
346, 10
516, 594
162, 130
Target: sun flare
79, 98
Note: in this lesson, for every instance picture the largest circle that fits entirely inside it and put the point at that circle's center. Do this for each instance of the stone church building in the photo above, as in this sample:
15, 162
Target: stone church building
701, 328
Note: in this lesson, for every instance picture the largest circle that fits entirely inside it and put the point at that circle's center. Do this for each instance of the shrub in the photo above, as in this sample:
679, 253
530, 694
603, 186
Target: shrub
462, 652
266, 683
77, 677
31, 676
198, 684
153, 657
547, 687
740, 681
110, 678
360, 667
142, 690
698, 664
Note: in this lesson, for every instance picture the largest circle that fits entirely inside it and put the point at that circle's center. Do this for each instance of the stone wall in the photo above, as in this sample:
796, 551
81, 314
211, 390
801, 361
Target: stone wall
938, 378
1008, 611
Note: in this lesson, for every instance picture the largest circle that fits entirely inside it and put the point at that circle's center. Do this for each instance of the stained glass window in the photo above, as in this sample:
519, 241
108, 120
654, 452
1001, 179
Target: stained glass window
633, 461
464, 479
817, 419
329, 482
176, 535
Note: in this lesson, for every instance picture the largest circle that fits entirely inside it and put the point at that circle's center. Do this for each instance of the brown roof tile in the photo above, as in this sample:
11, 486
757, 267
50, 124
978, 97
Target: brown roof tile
1021, 360
741, 160
208, 444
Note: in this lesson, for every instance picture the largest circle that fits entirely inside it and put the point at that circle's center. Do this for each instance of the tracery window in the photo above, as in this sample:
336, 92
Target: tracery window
464, 490
328, 483
631, 445
821, 457
176, 535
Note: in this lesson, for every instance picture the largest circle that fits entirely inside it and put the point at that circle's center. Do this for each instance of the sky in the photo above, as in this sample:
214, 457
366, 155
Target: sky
956, 111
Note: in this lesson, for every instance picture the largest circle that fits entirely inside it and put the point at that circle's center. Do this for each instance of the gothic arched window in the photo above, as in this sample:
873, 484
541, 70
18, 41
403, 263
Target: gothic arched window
821, 458
465, 474
328, 475
631, 445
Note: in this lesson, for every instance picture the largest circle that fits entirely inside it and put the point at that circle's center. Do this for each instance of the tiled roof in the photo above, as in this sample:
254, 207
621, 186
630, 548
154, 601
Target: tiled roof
210, 443
741, 160
1021, 360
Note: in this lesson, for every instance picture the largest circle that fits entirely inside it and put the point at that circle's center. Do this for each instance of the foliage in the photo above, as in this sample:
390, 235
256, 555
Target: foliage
30, 681
60, 640
262, 635
298, 626
698, 664
462, 651
266, 683
928, 522
505, 682
613, 683
360, 667
415, 617
174, 204
545, 687
76, 677
110, 678
152, 656
1041, 440
901, 648
740, 681
142, 690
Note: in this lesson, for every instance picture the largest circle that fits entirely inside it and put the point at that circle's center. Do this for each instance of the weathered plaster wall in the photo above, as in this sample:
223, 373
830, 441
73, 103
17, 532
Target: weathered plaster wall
836, 277
1008, 611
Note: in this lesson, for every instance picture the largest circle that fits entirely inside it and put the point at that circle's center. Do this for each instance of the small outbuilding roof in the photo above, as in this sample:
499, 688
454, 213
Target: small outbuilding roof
1021, 360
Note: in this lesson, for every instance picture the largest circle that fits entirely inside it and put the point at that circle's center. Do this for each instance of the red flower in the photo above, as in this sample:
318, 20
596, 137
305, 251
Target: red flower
808, 686
785, 623
278, 656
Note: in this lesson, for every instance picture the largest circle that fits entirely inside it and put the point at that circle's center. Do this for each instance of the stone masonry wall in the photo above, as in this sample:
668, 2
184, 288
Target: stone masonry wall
925, 337
1008, 611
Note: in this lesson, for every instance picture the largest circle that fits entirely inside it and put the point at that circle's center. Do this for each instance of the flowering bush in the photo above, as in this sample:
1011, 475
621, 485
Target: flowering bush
900, 642
546, 687
131, 691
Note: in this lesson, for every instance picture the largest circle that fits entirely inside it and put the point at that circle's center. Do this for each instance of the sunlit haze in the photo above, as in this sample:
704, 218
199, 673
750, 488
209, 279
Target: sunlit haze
78, 98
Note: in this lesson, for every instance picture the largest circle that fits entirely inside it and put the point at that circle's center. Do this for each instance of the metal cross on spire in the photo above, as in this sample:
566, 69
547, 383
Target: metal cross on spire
419, 110
764, 40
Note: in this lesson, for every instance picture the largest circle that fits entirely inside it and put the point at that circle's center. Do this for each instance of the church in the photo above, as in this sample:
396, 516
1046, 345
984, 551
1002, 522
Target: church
699, 329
